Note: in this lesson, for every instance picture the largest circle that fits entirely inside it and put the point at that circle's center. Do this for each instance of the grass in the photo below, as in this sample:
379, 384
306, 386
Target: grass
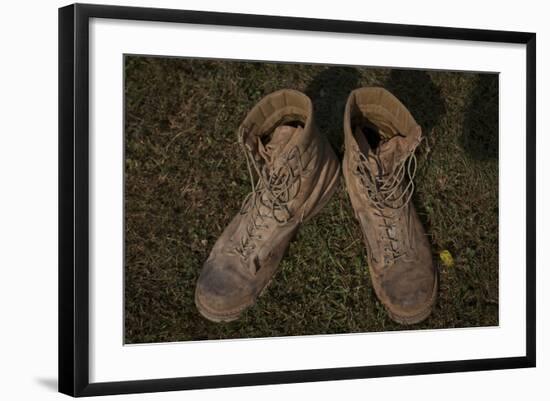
185, 178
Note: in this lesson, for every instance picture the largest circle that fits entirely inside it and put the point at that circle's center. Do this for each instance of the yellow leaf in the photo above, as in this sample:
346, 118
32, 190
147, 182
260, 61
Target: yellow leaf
446, 258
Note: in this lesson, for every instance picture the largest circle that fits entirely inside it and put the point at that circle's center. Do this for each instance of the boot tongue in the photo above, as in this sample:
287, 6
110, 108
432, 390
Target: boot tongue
281, 141
389, 152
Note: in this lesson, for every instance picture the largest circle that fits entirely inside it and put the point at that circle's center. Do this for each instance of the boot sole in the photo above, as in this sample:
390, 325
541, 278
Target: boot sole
217, 317
234, 315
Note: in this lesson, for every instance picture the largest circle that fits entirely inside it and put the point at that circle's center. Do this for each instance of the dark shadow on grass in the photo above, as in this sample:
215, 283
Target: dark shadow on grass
480, 135
416, 90
329, 91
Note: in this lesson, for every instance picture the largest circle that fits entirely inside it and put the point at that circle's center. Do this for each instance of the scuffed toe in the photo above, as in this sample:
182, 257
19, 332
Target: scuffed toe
408, 293
220, 294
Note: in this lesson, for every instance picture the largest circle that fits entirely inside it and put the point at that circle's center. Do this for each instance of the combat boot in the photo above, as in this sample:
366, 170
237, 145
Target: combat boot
379, 165
293, 172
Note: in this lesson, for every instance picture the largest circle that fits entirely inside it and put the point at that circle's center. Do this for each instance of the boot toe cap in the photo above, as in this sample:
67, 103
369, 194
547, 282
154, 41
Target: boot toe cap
221, 292
409, 294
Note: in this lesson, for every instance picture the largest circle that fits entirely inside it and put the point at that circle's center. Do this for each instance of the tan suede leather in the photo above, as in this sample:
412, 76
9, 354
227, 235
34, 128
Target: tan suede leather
296, 172
380, 139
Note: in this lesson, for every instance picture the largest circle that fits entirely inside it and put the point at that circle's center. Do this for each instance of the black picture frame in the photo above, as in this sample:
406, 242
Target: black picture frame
74, 198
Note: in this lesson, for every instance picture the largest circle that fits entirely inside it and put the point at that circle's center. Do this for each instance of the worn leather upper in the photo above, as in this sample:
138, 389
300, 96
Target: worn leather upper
294, 169
378, 174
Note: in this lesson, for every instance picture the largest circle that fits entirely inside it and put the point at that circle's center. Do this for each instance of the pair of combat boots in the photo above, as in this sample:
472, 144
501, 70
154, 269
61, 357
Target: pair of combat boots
297, 172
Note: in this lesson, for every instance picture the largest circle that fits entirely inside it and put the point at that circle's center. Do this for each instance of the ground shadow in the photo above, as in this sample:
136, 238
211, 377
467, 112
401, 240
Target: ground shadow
480, 133
416, 90
329, 91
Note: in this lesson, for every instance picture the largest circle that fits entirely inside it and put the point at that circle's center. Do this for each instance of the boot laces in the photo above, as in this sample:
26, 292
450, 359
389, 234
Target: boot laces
270, 197
386, 192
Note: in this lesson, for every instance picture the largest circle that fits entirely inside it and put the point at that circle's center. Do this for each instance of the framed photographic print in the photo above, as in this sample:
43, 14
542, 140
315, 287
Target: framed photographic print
250, 199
